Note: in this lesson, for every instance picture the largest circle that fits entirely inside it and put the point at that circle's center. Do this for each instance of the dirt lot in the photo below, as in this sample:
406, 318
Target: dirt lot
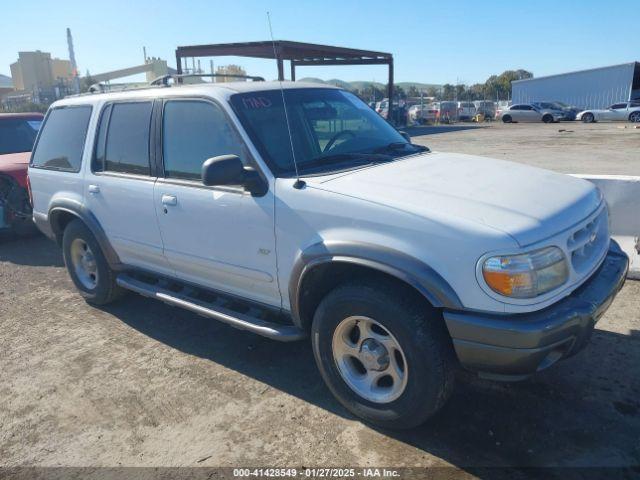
140, 383
567, 147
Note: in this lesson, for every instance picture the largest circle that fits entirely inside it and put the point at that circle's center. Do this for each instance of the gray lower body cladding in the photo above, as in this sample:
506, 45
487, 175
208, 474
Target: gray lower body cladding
515, 346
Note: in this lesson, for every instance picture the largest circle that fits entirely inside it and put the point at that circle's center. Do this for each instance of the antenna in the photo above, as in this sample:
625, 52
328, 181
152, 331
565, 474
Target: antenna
299, 183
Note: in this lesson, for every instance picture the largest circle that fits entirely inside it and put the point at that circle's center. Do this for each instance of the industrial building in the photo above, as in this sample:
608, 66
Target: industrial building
594, 88
37, 70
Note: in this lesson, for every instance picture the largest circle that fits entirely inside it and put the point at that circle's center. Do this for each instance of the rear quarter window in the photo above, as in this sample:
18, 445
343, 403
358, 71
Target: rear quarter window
62, 139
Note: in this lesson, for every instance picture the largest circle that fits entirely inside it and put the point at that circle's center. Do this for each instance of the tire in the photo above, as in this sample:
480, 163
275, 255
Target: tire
507, 119
547, 119
634, 117
425, 353
588, 118
99, 288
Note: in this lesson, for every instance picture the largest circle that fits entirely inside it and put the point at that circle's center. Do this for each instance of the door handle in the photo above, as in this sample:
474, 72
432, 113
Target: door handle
94, 189
169, 200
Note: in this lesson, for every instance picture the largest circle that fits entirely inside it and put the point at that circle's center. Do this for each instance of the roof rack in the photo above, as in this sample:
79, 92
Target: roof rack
107, 88
164, 80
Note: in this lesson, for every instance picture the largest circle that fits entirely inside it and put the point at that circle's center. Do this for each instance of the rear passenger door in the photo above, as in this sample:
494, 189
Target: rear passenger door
219, 237
119, 186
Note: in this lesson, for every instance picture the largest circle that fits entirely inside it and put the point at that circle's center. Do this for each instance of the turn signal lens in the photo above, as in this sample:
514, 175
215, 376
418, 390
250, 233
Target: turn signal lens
526, 275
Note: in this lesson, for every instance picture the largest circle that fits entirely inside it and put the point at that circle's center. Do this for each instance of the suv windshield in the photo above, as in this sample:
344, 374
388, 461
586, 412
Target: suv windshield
331, 130
18, 134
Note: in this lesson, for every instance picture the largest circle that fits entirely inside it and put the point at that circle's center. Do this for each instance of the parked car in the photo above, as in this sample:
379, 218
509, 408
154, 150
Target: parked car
466, 111
570, 111
554, 108
524, 112
447, 111
422, 114
399, 116
399, 263
17, 134
486, 108
620, 112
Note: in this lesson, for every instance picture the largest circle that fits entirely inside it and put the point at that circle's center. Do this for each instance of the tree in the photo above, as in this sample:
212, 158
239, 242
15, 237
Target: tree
412, 91
448, 91
432, 92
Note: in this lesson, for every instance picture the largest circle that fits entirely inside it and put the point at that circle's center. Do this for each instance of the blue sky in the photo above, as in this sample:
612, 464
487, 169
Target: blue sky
432, 42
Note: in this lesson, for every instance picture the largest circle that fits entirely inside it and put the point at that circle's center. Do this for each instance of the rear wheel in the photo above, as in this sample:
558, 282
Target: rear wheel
507, 119
87, 266
547, 118
634, 117
588, 118
384, 354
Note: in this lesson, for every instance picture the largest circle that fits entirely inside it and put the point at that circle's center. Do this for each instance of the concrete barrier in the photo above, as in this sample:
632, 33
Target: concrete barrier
622, 194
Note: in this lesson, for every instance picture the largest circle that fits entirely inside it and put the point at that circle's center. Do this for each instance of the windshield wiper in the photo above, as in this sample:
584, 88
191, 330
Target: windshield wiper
339, 158
397, 147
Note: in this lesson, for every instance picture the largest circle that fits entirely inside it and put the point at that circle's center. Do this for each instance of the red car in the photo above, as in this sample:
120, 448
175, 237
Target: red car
18, 132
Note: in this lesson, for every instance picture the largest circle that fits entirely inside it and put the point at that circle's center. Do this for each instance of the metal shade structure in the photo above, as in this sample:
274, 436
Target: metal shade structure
298, 53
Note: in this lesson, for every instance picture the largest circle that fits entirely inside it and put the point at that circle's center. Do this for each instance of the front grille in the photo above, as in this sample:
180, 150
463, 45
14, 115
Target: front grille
587, 244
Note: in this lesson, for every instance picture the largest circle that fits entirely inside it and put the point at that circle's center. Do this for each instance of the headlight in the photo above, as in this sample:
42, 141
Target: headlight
526, 275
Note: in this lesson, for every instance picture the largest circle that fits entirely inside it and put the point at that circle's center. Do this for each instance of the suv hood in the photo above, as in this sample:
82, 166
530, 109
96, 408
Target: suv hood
527, 203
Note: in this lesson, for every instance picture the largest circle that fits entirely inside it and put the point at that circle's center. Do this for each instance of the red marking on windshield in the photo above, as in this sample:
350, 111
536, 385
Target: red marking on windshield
256, 102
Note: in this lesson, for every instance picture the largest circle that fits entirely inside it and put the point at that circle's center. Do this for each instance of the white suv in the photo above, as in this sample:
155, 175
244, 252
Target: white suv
398, 262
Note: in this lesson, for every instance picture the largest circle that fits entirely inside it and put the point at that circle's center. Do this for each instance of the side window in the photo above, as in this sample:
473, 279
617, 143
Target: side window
526, 107
126, 149
192, 132
61, 142
619, 106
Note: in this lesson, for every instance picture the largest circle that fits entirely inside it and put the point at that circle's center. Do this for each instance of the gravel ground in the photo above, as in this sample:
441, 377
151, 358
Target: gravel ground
568, 147
143, 384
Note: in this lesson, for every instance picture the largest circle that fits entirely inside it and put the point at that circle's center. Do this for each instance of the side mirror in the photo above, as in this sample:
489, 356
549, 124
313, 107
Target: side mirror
223, 170
406, 136
229, 170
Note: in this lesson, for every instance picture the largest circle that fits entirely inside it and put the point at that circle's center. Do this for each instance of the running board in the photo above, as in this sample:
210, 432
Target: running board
242, 321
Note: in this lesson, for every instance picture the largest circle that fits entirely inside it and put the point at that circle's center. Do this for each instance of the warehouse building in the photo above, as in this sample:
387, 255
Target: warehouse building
594, 88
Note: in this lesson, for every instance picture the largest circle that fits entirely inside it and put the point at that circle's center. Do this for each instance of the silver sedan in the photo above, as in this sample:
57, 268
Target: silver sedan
620, 112
524, 112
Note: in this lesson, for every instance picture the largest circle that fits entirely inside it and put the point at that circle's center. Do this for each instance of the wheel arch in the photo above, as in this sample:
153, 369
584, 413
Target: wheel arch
322, 266
62, 212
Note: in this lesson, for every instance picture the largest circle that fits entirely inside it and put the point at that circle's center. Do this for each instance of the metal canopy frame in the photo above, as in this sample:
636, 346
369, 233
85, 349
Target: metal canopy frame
298, 53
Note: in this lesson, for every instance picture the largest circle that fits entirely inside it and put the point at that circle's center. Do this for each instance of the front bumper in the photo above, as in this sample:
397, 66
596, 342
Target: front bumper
512, 346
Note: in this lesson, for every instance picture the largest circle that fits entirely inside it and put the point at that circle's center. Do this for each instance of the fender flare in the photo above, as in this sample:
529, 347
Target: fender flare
80, 211
404, 267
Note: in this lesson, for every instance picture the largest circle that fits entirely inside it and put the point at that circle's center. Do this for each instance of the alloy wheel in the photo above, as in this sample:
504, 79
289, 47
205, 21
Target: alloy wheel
369, 359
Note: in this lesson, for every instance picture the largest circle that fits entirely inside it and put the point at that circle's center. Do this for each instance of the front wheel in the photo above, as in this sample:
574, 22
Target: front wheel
384, 354
507, 119
547, 119
588, 118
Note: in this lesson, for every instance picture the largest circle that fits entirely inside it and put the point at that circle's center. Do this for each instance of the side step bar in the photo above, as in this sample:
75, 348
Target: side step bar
275, 331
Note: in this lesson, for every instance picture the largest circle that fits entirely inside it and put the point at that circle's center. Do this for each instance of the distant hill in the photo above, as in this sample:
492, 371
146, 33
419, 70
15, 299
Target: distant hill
5, 82
361, 85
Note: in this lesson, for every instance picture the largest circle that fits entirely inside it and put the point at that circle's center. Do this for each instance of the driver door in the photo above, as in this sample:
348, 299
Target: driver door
219, 237
615, 112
